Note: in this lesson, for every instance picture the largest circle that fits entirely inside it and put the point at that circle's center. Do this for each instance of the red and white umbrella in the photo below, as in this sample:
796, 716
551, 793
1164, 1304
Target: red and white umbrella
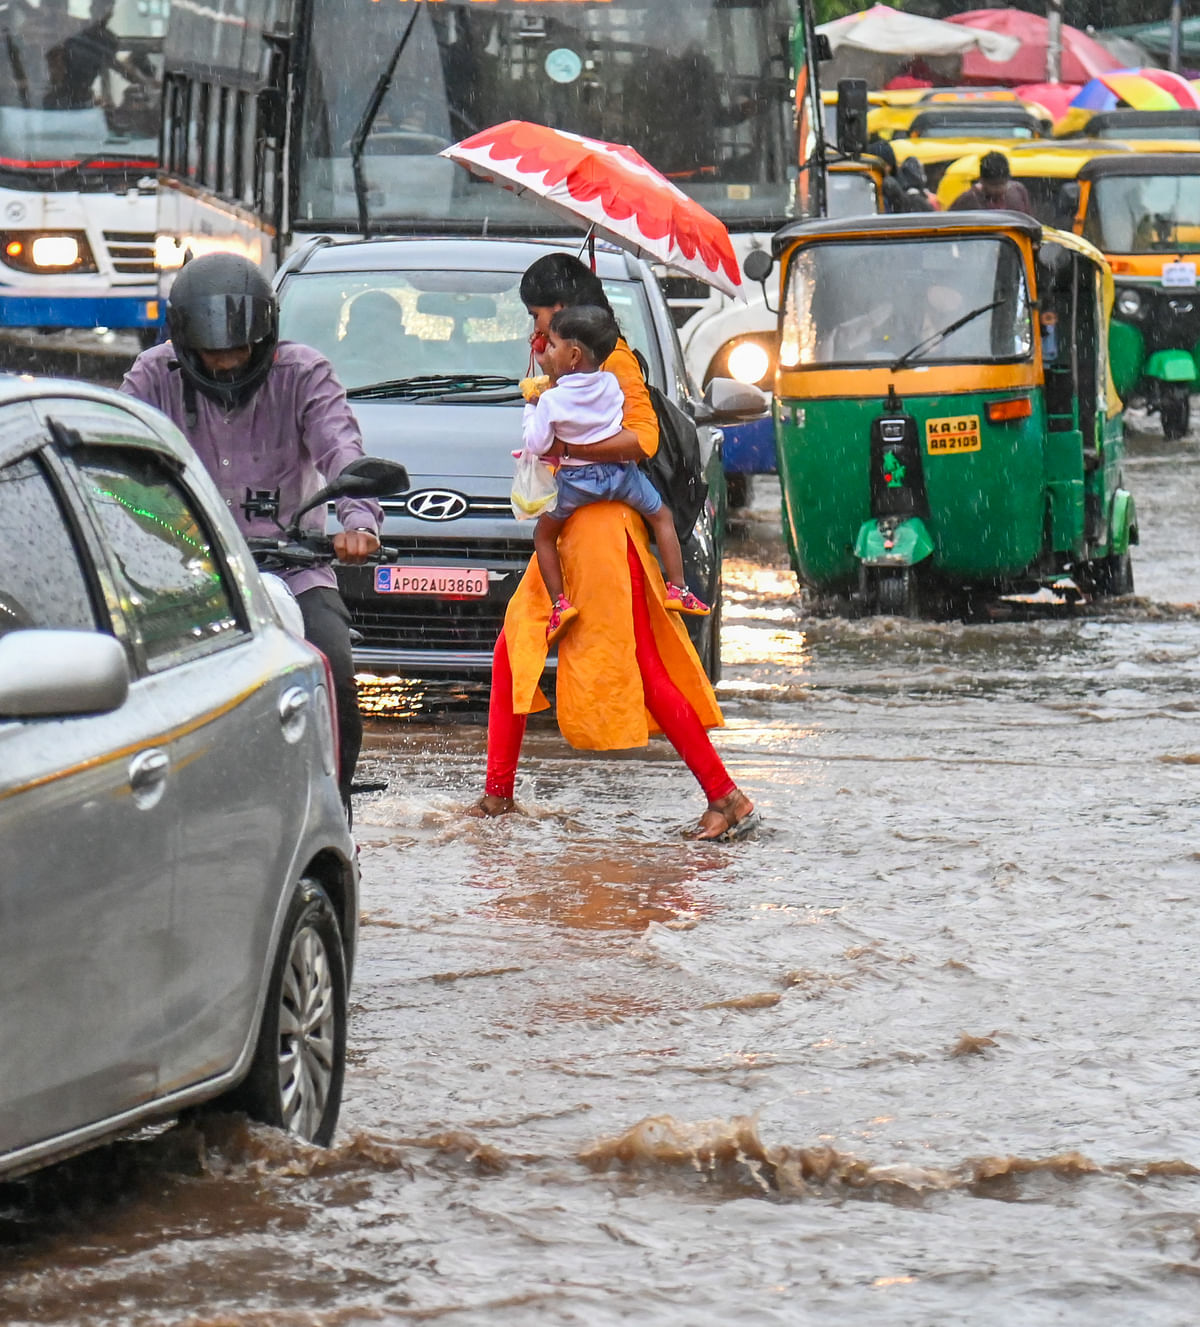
606, 187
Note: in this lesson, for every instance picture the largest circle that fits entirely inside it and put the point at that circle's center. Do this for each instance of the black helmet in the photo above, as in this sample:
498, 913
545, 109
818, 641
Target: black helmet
221, 302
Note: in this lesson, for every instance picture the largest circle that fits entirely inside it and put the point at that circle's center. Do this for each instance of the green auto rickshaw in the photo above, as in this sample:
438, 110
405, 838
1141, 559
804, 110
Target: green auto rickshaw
945, 416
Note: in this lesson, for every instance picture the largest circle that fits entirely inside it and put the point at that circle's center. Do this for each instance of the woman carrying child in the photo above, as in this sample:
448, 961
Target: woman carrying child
627, 668
581, 405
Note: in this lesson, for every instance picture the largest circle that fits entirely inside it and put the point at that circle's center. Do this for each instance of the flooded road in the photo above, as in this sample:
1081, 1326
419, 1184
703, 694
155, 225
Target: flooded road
923, 1050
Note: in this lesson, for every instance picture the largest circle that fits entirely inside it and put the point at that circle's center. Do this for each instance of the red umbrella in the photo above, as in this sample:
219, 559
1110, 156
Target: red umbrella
606, 187
1054, 97
1082, 58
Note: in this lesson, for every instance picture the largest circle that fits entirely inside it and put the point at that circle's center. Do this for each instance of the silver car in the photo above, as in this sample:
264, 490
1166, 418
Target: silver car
178, 887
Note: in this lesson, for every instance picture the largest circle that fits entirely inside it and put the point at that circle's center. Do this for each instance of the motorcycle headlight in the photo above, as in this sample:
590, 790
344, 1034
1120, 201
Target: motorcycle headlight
1129, 303
749, 362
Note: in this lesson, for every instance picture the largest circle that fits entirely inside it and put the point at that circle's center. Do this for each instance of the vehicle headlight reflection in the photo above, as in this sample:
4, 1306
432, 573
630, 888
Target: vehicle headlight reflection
749, 362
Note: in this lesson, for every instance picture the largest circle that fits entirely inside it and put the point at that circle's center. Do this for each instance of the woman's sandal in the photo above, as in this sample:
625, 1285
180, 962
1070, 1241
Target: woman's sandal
728, 818
489, 806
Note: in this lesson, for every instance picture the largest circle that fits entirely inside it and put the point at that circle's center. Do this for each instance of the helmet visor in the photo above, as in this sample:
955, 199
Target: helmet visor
222, 322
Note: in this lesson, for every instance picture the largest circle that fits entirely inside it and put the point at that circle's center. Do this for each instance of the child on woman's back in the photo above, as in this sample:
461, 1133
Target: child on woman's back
581, 406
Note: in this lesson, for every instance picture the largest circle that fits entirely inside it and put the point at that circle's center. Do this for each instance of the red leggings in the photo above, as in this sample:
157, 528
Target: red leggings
669, 707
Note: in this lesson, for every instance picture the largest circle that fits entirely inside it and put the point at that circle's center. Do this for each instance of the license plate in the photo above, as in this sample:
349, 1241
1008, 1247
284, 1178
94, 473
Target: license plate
952, 433
440, 582
1179, 276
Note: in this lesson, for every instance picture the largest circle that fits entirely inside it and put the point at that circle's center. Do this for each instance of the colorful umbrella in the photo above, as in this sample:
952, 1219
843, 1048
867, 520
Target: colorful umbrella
1142, 89
1082, 57
608, 188
1055, 98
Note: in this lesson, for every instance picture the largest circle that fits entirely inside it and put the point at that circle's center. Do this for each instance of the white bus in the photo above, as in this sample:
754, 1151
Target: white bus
264, 100
80, 110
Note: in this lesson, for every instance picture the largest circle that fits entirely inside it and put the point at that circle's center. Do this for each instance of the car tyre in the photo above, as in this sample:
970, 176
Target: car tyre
295, 1078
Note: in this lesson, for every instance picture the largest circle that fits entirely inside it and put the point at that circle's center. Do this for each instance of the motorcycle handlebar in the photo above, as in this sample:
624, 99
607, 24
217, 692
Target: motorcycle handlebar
315, 550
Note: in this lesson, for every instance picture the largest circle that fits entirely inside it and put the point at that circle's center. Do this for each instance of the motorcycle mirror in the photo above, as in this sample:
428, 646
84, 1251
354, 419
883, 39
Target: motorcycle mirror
368, 477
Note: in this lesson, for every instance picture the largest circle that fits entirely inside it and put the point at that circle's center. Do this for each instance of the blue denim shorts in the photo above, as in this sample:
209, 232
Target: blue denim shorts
613, 482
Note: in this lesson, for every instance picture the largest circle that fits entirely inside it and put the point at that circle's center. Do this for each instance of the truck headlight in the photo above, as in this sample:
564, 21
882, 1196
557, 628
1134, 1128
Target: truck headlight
1129, 302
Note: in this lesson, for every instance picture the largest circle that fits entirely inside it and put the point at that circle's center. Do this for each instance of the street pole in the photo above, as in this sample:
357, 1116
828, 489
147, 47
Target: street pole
1054, 41
1174, 57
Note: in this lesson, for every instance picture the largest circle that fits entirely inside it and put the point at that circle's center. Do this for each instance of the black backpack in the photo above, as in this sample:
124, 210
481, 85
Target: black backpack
675, 469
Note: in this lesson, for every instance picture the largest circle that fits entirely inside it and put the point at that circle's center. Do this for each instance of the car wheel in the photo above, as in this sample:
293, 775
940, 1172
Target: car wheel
1175, 409
295, 1079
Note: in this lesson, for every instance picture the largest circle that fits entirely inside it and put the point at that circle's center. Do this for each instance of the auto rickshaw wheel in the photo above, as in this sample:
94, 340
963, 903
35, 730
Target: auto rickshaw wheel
1175, 409
1112, 576
892, 591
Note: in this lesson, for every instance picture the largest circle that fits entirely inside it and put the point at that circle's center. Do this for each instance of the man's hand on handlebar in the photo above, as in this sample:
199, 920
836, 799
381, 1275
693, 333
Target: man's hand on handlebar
354, 545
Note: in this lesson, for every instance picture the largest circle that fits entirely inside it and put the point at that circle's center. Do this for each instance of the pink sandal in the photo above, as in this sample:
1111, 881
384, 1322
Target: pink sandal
684, 601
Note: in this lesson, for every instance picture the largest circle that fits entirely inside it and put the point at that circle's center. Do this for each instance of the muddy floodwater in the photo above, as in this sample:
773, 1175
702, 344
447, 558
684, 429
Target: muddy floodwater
922, 1051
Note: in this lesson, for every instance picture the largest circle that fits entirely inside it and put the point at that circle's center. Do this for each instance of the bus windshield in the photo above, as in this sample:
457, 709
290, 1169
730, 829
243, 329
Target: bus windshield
701, 88
865, 303
1144, 213
79, 79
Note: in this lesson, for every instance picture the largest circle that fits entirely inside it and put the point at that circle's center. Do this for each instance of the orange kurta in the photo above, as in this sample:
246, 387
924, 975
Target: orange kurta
599, 689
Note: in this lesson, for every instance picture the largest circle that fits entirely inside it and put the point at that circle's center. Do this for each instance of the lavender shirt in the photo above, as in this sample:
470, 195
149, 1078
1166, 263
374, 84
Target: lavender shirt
296, 428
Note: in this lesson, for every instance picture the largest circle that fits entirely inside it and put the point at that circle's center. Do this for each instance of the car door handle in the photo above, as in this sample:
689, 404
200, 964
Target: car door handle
148, 777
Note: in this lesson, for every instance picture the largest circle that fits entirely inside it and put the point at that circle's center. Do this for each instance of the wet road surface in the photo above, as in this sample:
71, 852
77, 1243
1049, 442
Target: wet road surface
923, 1050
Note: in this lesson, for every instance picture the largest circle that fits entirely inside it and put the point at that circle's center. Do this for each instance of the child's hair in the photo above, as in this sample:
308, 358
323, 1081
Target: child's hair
589, 326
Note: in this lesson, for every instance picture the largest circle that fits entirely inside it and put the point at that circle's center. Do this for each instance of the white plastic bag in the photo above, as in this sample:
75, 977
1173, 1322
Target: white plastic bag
534, 490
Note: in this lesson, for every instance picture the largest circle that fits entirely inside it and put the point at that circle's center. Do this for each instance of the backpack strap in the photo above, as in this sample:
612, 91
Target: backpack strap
641, 359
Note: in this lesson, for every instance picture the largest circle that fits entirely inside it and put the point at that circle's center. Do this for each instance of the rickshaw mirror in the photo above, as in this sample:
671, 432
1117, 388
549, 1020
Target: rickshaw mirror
852, 116
757, 265
824, 47
730, 401
1066, 205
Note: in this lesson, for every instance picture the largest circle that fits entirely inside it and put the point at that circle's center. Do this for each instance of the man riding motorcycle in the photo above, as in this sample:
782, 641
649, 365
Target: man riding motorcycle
268, 419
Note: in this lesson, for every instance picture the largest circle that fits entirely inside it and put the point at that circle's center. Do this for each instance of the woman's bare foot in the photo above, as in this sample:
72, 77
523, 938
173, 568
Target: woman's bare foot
727, 818
490, 805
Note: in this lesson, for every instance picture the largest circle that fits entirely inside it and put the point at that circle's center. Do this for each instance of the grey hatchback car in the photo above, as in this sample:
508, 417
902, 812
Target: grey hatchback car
178, 886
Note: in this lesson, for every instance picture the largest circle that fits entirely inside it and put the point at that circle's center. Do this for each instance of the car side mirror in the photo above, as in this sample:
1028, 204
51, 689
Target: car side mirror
852, 116
731, 402
45, 674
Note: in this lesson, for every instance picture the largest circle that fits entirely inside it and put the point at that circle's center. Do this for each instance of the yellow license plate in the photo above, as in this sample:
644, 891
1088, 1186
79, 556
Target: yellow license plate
953, 433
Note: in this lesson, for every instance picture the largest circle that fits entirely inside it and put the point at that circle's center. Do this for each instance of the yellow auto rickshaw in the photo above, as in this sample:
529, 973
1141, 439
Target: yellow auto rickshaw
945, 417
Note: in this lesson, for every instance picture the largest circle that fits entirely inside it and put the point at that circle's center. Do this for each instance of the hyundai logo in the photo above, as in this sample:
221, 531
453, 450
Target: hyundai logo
436, 504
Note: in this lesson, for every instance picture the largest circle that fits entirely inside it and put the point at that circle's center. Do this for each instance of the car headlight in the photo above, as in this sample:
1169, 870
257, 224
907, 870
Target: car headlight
47, 251
1129, 303
749, 362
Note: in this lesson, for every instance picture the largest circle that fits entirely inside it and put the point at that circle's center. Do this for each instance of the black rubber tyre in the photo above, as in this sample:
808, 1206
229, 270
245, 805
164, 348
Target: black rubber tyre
1114, 575
896, 592
738, 490
295, 1079
1175, 410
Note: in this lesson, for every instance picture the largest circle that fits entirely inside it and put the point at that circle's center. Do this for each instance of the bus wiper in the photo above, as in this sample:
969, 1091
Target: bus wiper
938, 337
120, 160
359, 141
433, 386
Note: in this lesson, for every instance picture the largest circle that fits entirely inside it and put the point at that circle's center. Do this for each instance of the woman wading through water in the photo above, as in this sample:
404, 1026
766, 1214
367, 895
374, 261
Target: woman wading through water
627, 668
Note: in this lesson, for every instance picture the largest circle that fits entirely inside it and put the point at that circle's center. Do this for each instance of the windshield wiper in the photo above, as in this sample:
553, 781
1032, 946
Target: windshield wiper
938, 337
432, 386
122, 162
370, 112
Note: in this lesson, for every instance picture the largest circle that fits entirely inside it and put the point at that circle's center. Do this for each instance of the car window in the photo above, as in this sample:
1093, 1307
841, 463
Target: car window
42, 582
174, 589
376, 326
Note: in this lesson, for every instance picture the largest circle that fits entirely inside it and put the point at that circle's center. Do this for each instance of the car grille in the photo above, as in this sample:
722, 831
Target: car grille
475, 507
460, 550
131, 251
430, 624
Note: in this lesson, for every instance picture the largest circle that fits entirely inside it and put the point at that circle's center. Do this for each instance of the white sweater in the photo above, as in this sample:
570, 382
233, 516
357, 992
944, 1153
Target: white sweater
580, 408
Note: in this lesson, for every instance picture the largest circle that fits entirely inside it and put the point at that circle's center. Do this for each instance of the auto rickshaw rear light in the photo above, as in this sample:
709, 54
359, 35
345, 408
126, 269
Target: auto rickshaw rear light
1020, 407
